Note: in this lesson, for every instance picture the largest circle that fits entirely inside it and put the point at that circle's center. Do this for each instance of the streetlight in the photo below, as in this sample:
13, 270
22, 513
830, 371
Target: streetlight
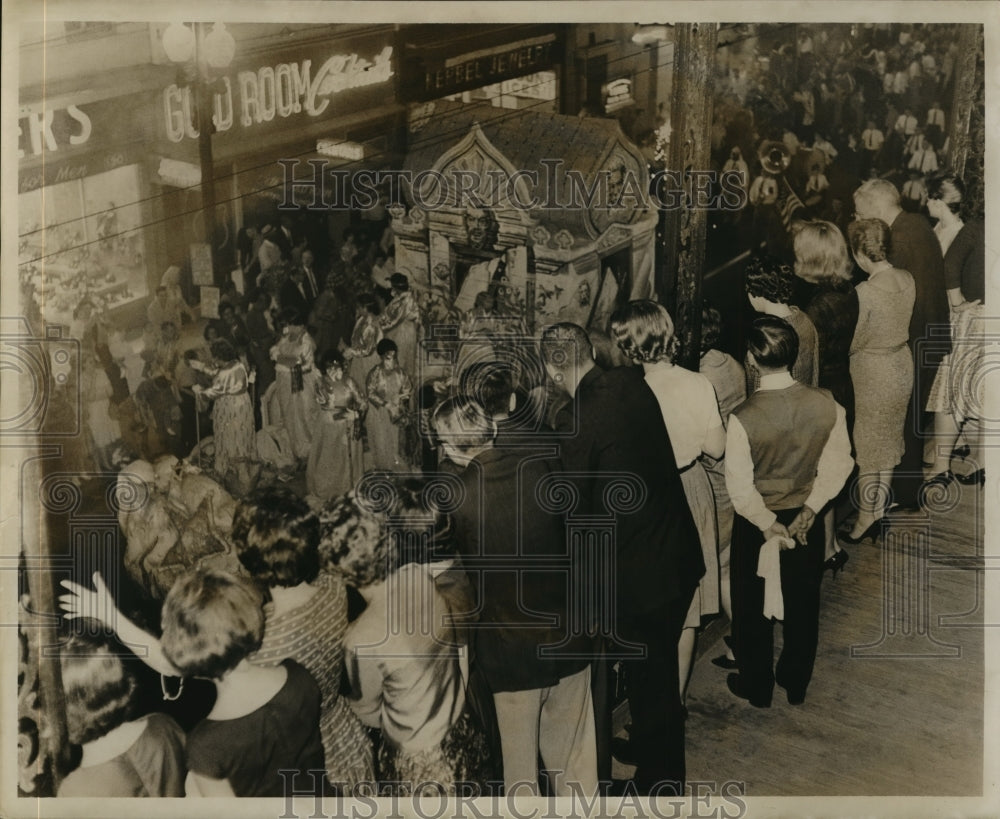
201, 57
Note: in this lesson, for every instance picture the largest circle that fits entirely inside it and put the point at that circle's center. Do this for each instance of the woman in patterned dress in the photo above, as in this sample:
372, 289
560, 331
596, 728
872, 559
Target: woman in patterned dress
336, 458
401, 322
232, 415
389, 389
305, 619
294, 383
361, 355
957, 396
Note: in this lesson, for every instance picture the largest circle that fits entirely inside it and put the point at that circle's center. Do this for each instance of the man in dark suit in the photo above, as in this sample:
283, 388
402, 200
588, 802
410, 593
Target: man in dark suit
615, 436
915, 249
294, 293
314, 280
536, 667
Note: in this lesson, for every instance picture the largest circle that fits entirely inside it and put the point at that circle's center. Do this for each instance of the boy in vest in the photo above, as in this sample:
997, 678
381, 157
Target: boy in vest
787, 456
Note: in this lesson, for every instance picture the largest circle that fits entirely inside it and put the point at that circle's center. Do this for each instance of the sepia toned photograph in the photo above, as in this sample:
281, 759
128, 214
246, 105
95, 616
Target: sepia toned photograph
498, 409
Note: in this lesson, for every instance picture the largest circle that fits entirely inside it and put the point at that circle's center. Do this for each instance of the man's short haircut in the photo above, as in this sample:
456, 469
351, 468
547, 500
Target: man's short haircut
565, 345
277, 537
463, 423
98, 683
872, 237
769, 278
644, 332
489, 383
212, 620
880, 193
773, 342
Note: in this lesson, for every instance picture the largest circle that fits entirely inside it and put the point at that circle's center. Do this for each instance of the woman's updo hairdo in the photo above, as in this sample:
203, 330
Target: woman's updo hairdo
949, 189
644, 332
870, 237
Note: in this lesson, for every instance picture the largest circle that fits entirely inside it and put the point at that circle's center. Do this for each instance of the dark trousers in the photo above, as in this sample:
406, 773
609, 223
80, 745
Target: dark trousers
753, 634
908, 475
652, 686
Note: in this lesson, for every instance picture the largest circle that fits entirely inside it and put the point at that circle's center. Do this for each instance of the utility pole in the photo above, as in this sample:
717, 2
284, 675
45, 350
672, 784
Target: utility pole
685, 229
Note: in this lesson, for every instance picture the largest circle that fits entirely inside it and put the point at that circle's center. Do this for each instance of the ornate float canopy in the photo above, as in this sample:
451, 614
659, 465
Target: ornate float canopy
509, 159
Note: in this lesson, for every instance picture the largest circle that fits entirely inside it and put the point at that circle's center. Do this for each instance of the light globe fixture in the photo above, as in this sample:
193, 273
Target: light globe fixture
219, 47
178, 42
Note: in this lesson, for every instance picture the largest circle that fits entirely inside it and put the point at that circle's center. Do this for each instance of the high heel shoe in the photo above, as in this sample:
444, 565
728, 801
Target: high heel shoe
836, 562
979, 476
873, 531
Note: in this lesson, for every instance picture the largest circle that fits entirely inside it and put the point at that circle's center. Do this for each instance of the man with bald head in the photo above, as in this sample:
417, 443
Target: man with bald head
915, 249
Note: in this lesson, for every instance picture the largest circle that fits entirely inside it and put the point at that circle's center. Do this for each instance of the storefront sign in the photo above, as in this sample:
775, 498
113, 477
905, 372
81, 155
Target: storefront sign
178, 174
276, 92
52, 173
539, 86
339, 149
617, 95
466, 72
48, 130
59, 144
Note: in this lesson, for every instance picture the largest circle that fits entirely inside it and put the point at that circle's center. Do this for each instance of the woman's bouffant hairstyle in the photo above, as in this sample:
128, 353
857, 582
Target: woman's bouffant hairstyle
949, 189
821, 253
223, 351
773, 342
211, 621
870, 237
711, 327
644, 331
99, 685
277, 537
386, 523
420, 532
398, 281
770, 279
353, 542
